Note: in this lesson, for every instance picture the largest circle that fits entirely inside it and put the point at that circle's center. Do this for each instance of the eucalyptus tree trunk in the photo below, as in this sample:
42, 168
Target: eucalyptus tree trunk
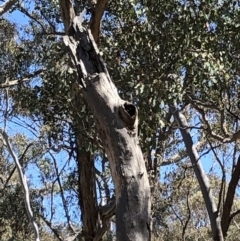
86, 176
117, 122
87, 193
202, 178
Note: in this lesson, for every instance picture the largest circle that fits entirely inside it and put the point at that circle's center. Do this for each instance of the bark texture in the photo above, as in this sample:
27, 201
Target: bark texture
86, 177
87, 192
200, 174
117, 122
227, 206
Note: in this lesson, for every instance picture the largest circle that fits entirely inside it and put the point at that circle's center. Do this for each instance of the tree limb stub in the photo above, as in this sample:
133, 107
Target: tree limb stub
114, 118
106, 213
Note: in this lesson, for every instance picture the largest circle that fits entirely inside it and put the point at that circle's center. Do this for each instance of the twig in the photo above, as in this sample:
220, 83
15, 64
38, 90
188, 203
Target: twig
61, 190
188, 218
31, 17
15, 82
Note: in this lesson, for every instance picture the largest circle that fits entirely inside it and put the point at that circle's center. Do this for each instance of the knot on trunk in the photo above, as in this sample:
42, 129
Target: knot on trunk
129, 115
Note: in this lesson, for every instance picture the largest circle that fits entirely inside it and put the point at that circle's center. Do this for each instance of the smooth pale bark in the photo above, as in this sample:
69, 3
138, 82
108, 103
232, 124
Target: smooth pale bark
23, 181
116, 121
200, 174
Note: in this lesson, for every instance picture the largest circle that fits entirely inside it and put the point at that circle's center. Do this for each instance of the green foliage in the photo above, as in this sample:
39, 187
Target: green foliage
11, 208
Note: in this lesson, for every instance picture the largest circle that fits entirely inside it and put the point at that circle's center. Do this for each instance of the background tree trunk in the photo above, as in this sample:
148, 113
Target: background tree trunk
200, 174
87, 193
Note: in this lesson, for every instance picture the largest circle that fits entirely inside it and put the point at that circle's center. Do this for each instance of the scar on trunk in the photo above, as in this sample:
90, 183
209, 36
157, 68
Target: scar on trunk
129, 115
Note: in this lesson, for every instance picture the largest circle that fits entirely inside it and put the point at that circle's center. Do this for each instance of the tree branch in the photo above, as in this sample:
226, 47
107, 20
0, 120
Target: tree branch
15, 82
105, 184
200, 174
224, 139
178, 157
20, 161
223, 182
23, 10
6, 6
24, 185
106, 213
96, 19
54, 230
188, 217
233, 215
68, 13
61, 190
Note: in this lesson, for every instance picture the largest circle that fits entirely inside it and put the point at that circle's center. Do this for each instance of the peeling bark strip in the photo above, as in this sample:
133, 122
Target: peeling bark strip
116, 121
